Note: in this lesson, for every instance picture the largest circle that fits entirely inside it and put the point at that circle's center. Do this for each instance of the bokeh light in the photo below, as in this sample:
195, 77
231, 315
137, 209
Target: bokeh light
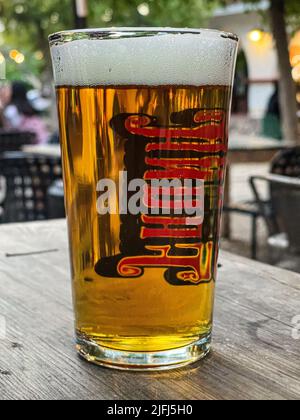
13, 54
296, 73
19, 9
39, 55
256, 35
144, 9
108, 15
20, 58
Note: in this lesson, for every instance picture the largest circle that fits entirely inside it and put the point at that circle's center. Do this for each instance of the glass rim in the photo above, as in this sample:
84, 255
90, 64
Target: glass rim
128, 32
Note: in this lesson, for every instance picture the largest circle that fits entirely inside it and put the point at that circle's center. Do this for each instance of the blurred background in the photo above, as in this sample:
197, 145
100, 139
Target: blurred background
25, 26
266, 99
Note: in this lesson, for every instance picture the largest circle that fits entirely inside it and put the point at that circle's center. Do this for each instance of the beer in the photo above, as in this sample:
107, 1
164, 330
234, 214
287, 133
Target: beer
144, 167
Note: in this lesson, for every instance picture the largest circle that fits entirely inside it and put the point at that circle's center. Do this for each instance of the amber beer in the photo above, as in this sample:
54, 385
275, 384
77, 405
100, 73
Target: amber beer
144, 280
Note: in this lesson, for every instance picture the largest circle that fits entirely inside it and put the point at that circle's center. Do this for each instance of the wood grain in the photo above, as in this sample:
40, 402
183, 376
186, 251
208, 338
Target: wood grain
254, 357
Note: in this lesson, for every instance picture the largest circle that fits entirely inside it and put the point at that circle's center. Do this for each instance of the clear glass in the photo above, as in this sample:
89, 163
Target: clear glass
144, 133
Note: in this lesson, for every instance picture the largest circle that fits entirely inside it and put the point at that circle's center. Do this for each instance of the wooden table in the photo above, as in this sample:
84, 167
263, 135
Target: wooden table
251, 149
254, 356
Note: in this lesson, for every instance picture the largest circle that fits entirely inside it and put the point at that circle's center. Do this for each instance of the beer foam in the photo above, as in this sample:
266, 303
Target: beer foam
194, 58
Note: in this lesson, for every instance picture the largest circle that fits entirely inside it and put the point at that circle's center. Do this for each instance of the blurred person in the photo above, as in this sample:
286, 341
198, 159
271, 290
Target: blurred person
272, 119
19, 114
5, 95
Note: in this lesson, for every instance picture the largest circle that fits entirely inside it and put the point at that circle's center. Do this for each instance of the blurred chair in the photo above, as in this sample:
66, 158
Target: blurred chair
285, 164
283, 220
26, 180
56, 204
249, 209
14, 141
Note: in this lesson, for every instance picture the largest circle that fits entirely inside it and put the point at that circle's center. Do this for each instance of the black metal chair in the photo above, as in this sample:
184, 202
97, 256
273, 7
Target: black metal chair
283, 220
56, 203
25, 181
15, 140
287, 164
249, 209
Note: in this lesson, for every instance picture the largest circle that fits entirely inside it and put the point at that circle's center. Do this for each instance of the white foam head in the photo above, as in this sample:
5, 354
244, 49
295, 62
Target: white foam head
165, 57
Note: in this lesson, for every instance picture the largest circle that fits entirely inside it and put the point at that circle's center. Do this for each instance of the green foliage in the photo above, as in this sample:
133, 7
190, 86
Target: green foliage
52, 15
30, 68
293, 14
161, 12
35, 17
28, 23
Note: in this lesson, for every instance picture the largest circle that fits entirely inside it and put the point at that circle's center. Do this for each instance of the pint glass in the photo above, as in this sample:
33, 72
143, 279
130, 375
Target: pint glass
144, 133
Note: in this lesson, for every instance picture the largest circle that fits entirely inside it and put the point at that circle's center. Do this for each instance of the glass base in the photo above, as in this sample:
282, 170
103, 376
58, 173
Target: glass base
143, 361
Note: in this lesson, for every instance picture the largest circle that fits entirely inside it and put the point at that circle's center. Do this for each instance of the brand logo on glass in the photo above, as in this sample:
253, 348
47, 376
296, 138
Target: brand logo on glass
163, 196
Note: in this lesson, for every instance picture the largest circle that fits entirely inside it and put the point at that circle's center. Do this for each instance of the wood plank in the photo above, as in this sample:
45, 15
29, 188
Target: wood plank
254, 357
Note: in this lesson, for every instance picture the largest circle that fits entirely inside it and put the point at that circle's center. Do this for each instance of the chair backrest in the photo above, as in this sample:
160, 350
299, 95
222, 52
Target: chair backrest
27, 180
13, 141
285, 195
287, 163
